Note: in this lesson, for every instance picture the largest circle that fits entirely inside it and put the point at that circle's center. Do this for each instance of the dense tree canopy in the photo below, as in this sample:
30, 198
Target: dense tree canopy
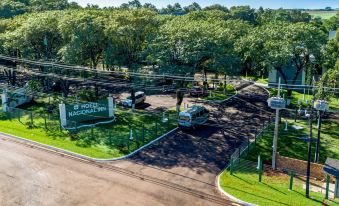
174, 39
10, 8
83, 37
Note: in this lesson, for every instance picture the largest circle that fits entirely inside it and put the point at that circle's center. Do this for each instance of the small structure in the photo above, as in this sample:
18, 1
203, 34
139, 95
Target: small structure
276, 103
12, 99
321, 105
331, 167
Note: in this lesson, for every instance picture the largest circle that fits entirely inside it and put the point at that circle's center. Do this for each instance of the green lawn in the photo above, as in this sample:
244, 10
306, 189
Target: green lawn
218, 95
105, 141
334, 102
290, 146
260, 80
322, 14
272, 191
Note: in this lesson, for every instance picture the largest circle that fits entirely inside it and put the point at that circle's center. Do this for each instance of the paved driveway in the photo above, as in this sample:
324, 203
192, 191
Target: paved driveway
194, 158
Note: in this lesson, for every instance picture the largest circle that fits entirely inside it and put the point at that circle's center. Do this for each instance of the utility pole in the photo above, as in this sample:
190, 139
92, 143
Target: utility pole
310, 119
276, 103
317, 147
275, 139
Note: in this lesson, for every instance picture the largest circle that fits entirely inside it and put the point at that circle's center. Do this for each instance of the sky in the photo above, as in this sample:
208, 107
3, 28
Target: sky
273, 4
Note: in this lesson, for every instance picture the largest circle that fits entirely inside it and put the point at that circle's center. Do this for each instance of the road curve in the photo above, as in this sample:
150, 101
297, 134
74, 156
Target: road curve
34, 177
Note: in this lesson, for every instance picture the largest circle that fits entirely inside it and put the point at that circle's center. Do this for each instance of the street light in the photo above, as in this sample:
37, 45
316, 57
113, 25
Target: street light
322, 106
276, 103
308, 173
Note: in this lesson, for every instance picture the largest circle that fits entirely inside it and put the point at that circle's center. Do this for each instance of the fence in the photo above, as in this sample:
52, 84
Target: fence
124, 134
127, 133
246, 147
34, 119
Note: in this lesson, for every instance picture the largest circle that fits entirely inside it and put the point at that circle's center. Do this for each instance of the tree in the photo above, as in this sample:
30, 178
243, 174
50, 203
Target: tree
332, 23
186, 46
83, 37
38, 37
172, 9
134, 4
128, 33
331, 53
306, 43
329, 80
33, 87
150, 7
9, 8
289, 44
44, 5
249, 48
245, 13
193, 7
281, 15
216, 7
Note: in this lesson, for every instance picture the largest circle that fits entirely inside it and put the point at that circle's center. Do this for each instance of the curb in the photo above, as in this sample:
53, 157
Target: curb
227, 195
74, 154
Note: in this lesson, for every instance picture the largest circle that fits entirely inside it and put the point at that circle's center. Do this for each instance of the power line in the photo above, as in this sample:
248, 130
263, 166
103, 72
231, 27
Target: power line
80, 68
132, 74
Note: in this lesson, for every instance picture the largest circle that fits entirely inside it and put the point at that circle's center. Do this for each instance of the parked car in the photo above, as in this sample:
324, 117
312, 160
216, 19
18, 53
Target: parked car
140, 97
193, 116
197, 91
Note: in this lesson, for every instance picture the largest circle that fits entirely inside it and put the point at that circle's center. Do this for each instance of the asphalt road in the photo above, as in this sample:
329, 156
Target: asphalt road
34, 177
179, 170
194, 158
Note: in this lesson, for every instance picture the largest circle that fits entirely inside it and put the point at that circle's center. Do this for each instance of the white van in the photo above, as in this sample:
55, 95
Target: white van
193, 116
140, 97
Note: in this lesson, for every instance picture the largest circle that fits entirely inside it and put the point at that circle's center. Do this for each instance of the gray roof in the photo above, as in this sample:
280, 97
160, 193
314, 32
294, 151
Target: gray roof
332, 167
332, 34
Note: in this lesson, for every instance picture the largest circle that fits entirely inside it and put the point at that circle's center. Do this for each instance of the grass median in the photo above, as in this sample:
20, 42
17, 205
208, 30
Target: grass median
290, 145
219, 95
273, 190
103, 142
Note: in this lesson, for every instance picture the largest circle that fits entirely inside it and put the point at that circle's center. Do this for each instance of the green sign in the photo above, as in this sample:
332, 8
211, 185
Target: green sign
98, 112
87, 111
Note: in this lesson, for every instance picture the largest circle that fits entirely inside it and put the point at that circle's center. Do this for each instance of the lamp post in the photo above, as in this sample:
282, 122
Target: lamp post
276, 103
309, 150
322, 106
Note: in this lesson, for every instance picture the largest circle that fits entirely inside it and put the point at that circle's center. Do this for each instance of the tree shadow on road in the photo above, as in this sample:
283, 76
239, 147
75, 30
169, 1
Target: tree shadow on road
208, 149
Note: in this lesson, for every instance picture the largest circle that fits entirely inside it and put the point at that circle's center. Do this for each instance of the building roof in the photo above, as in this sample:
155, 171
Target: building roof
332, 34
331, 167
